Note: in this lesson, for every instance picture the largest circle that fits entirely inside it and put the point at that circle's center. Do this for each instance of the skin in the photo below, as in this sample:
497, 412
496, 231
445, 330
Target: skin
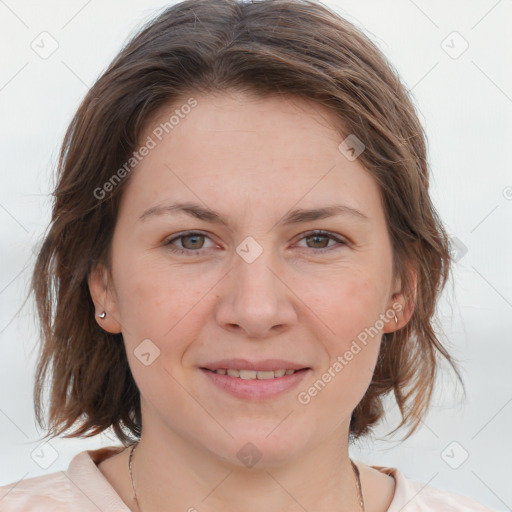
252, 160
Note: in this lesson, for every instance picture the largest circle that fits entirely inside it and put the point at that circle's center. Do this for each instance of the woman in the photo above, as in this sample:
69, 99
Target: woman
243, 260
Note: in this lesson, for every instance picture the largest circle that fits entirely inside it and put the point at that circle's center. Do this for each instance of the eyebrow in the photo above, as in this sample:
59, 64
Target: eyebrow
296, 216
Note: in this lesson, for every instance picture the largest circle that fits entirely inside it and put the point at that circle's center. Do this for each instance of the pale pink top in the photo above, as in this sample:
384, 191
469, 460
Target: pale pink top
83, 488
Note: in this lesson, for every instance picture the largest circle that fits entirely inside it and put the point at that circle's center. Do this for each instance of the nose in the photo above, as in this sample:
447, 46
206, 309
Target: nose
255, 299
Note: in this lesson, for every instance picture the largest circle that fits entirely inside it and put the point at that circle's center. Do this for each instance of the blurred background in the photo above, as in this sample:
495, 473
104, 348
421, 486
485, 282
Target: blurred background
453, 56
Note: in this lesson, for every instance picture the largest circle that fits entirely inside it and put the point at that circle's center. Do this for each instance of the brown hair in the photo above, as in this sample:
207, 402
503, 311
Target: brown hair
263, 47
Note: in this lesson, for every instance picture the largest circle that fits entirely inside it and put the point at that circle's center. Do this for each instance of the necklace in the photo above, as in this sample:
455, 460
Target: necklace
355, 468
358, 485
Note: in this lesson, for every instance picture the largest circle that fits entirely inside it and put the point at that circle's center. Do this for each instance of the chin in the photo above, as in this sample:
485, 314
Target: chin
252, 447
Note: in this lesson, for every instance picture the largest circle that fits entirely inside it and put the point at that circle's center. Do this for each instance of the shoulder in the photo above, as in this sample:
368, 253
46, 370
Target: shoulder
413, 496
42, 493
80, 488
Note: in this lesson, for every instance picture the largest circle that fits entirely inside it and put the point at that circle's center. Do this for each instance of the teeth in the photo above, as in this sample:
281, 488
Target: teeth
248, 374
261, 375
253, 374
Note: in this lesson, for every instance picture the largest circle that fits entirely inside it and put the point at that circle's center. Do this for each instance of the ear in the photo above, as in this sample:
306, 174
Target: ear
104, 299
399, 304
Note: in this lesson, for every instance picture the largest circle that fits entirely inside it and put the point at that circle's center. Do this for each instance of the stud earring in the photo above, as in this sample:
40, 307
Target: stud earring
396, 320
102, 315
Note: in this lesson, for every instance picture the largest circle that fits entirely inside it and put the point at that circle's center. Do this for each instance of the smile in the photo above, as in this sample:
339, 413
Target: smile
254, 374
253, 384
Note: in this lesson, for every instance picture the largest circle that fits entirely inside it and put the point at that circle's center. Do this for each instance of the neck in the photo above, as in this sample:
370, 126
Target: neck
174, 475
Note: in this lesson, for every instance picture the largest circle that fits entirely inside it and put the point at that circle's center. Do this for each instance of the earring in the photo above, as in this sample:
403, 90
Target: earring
396, 320
102, 315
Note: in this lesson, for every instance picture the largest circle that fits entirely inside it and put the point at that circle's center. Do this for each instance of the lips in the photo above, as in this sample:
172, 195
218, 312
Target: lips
255, 389
254, 374
265, 365
255, 380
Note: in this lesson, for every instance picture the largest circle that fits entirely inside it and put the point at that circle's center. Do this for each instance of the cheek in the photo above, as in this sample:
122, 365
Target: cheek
352, 298
160, 303
349, 312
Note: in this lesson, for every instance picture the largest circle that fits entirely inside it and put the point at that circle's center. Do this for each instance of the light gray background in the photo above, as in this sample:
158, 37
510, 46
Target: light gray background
465, 103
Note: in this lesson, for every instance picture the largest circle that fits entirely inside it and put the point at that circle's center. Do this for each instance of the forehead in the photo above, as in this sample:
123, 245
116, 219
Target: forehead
237, 149
240, 110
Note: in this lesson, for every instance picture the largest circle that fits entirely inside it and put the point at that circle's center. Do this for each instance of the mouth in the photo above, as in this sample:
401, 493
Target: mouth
255, 383
255, 374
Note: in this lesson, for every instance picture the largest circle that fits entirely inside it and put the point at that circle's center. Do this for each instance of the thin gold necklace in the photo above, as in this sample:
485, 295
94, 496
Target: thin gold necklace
356, 471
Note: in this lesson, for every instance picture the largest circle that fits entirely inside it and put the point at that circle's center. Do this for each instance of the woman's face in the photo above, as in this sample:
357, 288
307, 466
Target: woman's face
237, 273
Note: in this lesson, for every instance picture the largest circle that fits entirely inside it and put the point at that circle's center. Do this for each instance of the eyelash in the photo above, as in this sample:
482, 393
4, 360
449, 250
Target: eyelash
306, 235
